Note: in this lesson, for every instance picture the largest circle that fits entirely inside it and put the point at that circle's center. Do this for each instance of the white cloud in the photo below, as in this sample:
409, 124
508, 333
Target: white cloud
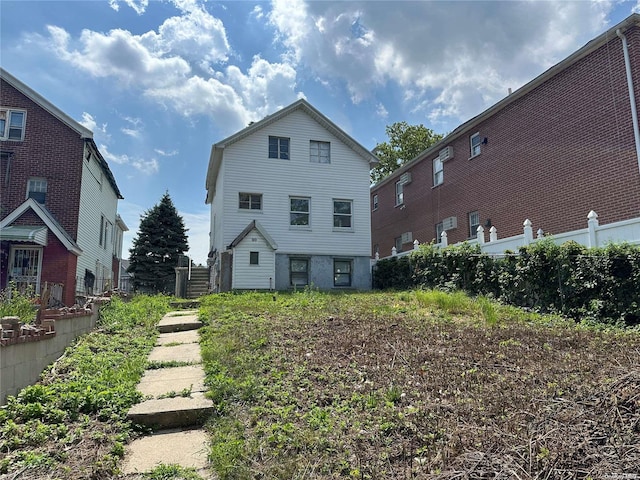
452, 59
381, 111
166, 154
138, 5
148, 167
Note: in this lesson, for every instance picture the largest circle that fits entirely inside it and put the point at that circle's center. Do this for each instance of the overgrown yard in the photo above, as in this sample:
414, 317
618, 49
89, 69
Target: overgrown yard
312, 385
416, 385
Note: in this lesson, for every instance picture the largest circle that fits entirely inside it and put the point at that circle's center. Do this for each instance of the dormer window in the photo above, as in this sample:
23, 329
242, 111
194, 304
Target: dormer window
12, 124
37, 189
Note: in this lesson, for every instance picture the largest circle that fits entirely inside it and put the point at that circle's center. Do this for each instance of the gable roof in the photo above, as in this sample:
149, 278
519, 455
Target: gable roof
254, 225
48, 219
631, 21
82, 131
217, 149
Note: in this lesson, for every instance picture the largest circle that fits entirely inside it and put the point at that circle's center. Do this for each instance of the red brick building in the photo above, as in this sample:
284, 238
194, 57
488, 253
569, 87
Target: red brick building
562, 145
58, 197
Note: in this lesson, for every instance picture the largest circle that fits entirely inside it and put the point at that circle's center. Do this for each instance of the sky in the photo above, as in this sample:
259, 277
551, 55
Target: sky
159, 81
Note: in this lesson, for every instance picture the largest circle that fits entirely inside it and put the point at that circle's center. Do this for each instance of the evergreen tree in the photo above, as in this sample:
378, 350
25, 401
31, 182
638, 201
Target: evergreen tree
161, 240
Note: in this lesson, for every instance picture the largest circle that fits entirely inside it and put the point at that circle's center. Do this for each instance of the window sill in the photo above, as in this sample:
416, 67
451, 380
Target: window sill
399, 205
248, 210
474, 156
343, 230
438, 185
294, 228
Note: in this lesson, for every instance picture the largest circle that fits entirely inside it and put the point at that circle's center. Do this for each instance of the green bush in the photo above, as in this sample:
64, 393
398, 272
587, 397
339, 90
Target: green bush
14, 303
599, 284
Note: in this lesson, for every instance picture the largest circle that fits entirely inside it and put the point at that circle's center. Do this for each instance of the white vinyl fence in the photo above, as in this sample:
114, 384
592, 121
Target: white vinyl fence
594, 235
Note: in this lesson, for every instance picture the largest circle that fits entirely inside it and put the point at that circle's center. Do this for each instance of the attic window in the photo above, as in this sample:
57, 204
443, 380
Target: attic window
319, 152
12, 124
279, 147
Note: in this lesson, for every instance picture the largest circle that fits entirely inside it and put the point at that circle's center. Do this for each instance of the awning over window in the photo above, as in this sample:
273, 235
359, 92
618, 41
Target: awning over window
20, 233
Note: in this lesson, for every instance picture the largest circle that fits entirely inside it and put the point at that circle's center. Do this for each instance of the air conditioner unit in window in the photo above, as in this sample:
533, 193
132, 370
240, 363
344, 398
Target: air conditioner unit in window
405, 178
450, 223
407, 237
446, 154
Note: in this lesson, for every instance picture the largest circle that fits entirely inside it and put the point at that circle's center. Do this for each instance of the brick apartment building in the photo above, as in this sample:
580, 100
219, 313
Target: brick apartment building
58, 199
561, 145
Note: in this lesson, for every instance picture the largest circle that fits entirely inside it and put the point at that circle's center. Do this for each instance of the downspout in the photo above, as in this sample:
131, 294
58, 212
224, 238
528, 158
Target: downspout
632, 98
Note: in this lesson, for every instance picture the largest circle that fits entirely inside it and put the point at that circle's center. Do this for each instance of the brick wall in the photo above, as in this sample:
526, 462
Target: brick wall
50, 150
552, 155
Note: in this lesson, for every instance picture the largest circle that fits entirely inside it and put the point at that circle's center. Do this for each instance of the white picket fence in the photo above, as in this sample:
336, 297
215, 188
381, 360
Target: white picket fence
595, 235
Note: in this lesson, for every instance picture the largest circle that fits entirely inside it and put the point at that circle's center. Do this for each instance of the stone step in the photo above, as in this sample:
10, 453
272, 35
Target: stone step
172, 412
179, 323
187, 448
164, 381
188, 352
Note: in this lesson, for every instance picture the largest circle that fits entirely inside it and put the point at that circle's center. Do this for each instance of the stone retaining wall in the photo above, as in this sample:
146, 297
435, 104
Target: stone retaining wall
23, 358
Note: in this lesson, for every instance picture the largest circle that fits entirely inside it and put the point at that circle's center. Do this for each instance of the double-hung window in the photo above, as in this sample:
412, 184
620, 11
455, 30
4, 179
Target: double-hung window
475, 141
299, 211
474, 223
342, 273
375, 202
254, 258
37, 189
342, 214
299, 271
399, 193
319, 152
279, 147
438, 171
12, 124
250, 201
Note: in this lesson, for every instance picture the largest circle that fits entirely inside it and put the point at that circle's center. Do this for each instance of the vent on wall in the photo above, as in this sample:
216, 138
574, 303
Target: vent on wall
407, 237
450, 223
445, 154
405, 178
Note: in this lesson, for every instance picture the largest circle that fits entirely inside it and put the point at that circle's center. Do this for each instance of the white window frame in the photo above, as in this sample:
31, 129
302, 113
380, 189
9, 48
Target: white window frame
338, 228
282, 155
475, 143
37, 185
473, 227
300, 212
319, 151
375, 202
7, 124
250, 201
399, 193
438, 171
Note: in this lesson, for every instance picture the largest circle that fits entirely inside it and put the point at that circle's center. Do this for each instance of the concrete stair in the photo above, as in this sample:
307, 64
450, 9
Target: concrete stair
198, 285
175, 405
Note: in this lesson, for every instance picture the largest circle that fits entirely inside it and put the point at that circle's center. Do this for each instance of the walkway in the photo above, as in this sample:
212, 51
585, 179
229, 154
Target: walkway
176, 406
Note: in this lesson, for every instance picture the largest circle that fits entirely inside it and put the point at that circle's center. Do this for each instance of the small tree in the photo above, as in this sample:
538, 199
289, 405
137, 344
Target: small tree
161, 240
405, 143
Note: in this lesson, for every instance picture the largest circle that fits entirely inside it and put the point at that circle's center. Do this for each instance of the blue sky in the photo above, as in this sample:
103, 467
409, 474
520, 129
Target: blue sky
158, 82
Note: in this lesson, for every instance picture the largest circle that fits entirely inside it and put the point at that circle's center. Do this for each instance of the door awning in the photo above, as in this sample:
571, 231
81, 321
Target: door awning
20, 233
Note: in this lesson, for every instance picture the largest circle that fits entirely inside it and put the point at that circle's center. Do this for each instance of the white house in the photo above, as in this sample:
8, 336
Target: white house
289, 202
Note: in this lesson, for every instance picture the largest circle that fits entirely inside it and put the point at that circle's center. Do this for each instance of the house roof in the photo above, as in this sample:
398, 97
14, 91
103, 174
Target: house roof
254, 225
20, 233
48, 219
590, 47
217, 149
83, 131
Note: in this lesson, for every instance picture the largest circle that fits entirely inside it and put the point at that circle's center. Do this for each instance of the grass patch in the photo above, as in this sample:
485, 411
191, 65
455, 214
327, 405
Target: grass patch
413, 385
172, 472
72, 424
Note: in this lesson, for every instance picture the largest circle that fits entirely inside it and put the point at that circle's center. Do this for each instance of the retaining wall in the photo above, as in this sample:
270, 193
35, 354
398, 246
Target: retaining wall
22, 361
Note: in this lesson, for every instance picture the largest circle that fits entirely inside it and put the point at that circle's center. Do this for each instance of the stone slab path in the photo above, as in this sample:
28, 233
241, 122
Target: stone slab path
176, 405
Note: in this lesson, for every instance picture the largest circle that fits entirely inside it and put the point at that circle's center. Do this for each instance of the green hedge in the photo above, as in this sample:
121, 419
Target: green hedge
601, 284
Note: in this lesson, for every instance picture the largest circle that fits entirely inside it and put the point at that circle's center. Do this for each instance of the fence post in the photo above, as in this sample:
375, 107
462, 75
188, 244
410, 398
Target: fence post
377, 256
394, 251
443, 239
416, 244
592, 224
493, 234
480, 234
528, 232
540, 233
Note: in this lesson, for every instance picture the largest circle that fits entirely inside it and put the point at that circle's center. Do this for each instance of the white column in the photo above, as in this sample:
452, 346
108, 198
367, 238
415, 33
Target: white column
528, 232
592, 225
480, 234
493, 234
443, 239
416, 244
